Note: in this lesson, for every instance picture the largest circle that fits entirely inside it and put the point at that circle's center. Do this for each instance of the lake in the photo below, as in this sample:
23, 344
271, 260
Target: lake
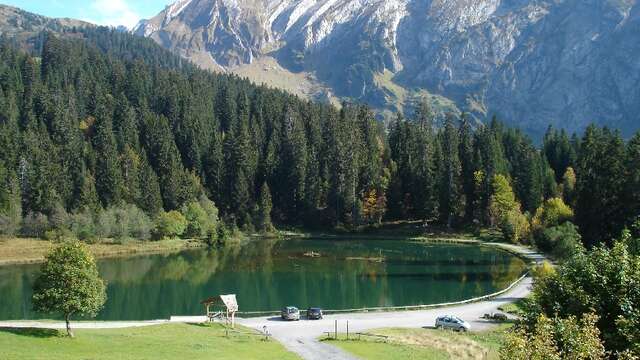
269, 274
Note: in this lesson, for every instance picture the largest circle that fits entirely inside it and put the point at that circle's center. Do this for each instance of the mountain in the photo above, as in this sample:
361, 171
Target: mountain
532, 62
23, 27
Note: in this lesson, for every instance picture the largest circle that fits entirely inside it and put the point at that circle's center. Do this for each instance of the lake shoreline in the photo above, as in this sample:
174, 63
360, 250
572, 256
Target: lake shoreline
23, 251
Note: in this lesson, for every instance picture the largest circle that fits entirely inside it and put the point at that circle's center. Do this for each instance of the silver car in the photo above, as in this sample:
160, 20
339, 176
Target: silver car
290, 313
453, 323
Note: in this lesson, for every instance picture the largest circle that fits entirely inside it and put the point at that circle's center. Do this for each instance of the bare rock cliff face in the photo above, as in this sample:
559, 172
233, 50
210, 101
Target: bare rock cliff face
532, 62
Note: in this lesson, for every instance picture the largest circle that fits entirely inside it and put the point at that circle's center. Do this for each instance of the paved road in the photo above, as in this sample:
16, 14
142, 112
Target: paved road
301, 336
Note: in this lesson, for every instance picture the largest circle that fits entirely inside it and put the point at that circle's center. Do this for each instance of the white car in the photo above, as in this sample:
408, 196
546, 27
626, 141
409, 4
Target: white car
290, 313
452, 322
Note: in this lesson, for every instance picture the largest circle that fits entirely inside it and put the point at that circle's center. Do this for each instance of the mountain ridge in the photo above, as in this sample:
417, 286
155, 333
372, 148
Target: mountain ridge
532, 62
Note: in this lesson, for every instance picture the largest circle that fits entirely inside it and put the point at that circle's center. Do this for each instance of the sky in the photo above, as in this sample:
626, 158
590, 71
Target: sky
101, 12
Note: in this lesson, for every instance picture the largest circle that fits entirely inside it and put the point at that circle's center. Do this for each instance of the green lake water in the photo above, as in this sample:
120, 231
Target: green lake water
267, 275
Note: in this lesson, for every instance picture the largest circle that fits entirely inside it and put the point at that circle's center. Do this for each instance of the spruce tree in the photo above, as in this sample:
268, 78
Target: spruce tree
109, 182
263, 216
450, 201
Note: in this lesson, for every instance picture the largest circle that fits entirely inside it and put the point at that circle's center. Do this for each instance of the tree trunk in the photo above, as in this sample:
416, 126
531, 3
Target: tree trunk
66, 318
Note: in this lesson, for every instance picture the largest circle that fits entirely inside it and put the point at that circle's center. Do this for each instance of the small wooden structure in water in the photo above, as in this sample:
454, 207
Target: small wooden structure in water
223, 307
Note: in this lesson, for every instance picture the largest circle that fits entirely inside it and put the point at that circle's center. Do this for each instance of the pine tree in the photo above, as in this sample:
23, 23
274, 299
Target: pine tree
632, 181
263, 216
450, 201
108, 171
149, 197
600, 186
468, 167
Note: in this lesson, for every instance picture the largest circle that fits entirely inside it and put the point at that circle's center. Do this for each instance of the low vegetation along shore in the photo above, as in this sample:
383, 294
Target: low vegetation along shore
30, 250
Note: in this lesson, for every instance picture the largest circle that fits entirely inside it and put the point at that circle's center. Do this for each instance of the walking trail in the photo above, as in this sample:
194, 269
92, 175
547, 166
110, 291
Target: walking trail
301, 337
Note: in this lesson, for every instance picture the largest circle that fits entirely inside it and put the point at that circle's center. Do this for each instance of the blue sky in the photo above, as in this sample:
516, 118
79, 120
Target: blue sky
102, 12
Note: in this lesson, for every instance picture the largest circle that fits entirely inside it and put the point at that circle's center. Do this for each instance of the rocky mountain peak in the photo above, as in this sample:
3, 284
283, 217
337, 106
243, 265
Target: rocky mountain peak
533, 62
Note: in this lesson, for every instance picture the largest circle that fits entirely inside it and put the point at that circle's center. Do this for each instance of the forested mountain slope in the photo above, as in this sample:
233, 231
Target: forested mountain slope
100, 120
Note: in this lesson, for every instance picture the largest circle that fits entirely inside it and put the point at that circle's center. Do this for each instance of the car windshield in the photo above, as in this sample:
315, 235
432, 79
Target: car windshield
292, 310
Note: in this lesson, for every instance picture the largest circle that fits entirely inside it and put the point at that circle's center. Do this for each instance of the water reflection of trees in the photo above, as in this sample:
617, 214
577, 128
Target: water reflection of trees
269, 274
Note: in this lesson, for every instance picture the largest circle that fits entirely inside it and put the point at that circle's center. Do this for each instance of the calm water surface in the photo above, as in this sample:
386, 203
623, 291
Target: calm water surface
267, 275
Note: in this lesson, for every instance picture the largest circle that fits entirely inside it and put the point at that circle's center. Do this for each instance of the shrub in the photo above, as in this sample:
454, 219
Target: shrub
223, 234
9, 225
196, 220
35, 225
123, 222
169, 225
549, 339
105, 224
543, 271
140, 225
552, 213
604, 279
83, 226
561, 241
59, 218
210, 208
515, 226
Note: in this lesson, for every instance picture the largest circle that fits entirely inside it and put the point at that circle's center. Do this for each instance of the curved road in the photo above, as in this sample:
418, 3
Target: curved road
301, 336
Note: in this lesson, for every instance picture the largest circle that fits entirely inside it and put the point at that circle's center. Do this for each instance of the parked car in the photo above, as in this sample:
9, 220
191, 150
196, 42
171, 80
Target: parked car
452, 322
290, 313
498, 317
314, 313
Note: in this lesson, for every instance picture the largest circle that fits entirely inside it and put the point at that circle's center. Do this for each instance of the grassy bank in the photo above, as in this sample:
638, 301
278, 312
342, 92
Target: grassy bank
425, 344
28, 250
174, 341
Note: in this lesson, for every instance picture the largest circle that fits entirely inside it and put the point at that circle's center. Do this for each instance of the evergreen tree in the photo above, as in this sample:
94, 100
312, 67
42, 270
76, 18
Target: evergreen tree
263, 215
450, 194
600, 185
468, 167
631, 180
109, 182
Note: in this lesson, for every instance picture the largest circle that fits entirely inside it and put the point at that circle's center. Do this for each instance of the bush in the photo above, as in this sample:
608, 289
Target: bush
9, 225
140, 225
35, 225
59, 218
552, 213
202, 218
123, 222
550, 339
106, 224
223, 234
515, 226
58, 235
561, 241
169, 225
543, 271
83, 226
604, 279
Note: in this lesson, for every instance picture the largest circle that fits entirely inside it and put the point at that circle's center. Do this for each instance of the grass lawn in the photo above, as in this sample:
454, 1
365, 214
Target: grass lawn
515, 308
171, 341
426, 344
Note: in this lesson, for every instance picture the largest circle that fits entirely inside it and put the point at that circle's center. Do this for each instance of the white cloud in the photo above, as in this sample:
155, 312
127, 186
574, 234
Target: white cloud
113, 13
